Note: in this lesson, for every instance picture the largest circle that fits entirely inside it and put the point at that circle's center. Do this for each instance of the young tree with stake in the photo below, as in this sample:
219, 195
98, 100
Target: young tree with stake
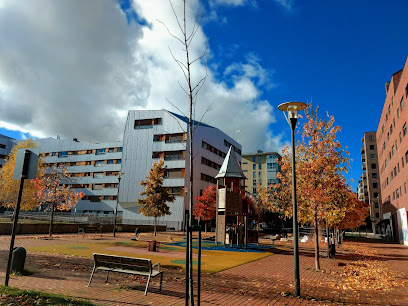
154, 204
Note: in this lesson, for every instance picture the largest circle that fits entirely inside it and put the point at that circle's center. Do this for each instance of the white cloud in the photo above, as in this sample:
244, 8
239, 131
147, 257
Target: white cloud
74, 68
286, 4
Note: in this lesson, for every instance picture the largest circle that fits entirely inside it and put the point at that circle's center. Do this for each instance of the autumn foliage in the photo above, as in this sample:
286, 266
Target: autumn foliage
323, 197
206, 204
156, 196
9, 187
54, 190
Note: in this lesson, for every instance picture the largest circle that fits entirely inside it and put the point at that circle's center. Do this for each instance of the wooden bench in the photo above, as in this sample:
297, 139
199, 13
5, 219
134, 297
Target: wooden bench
89, 229
130, 265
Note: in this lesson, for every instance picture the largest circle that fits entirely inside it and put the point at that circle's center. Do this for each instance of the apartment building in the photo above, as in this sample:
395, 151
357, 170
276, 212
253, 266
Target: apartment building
153, 135
369, 185
392, 140
148, 137
260, 168
6, 143
94, 168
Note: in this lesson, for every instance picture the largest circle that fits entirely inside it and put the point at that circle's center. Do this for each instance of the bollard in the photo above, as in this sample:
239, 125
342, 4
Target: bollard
18, 259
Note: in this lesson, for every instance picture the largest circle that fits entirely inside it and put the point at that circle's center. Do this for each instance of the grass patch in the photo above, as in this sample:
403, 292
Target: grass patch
15, 296
212, 260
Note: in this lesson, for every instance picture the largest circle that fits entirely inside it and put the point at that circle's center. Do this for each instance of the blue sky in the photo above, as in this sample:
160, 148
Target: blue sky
262, 53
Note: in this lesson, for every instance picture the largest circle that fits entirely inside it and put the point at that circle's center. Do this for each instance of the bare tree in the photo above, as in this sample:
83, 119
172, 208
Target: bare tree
185, 37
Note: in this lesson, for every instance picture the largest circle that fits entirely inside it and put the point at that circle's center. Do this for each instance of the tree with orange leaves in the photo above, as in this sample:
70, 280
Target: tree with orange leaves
321, 191
9, 187
54, 190
154, 205
206, 205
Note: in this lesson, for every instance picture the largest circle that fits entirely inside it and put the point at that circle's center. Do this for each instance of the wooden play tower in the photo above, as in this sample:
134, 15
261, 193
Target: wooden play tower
233, 209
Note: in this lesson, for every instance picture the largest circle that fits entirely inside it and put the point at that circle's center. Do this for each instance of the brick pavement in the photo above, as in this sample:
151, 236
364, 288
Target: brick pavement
266, 281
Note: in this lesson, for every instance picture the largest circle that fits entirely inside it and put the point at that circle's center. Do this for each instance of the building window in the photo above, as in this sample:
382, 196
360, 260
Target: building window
63, 154
97, 187
405, 188
271, 158
98, 175
398, 112
110, 161
397, 193
393, 150
404, 129
99, 163
272, 166
120, 149
100, 151
376, 195
2, 146
245, 163
260, 174
376, 204
254, 167
253, 182
374, 175
402, 103
260, 159
173, 173
173, 155
176, 191
377, 215
211, 164
118, 161
395, 171
111, 150
372, 146
156, 137
260, 166
372, 156
254, 191
375, 185
389, 108
174, 138
254, 174
373, 166
208, 178
147, 123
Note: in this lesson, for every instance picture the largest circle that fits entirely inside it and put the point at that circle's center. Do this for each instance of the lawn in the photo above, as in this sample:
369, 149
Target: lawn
15, 296
170, 255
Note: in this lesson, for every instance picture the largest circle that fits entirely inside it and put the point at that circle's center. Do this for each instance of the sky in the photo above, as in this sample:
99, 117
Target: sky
74, 68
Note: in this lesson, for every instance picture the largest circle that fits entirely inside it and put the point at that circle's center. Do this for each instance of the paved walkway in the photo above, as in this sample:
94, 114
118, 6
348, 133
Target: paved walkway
264, 282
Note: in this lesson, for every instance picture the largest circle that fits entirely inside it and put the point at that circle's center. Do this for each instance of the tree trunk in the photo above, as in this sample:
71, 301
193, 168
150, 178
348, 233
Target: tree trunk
206, 222
51, 220
155, 222
317, 257
328, 240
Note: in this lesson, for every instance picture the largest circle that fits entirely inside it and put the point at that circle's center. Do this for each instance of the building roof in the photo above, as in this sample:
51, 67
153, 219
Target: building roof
230, 167
186, 120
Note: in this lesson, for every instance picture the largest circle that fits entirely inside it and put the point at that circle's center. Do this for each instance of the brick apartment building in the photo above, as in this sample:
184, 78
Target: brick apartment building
369, 185
392, 140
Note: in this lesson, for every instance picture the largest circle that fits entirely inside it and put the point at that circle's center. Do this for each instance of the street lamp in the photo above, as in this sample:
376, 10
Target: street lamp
292, 108
117, 202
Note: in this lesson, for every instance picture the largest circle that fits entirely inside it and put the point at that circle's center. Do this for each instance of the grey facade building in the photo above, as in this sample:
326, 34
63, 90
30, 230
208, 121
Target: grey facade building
151, 135
6, 143
95, 168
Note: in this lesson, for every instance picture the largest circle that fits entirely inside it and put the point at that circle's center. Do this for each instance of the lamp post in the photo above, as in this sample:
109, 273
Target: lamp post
292, 108
117, 202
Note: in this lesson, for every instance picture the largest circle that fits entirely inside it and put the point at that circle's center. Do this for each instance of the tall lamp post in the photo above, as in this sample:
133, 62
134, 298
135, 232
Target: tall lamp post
292, 108
117, 202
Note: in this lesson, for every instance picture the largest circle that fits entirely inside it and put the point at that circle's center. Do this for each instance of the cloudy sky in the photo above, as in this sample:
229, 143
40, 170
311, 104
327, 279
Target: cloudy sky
74, 68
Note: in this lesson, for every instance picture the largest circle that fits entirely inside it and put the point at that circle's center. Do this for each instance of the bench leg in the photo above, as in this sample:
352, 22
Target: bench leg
107, 276
161, 280
90, 280
147, 285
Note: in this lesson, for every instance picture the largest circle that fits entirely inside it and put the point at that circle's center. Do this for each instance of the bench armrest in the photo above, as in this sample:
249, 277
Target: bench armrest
156, 264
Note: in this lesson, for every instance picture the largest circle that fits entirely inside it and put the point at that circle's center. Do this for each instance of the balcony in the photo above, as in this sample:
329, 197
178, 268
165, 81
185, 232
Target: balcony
364, 166
362, 150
